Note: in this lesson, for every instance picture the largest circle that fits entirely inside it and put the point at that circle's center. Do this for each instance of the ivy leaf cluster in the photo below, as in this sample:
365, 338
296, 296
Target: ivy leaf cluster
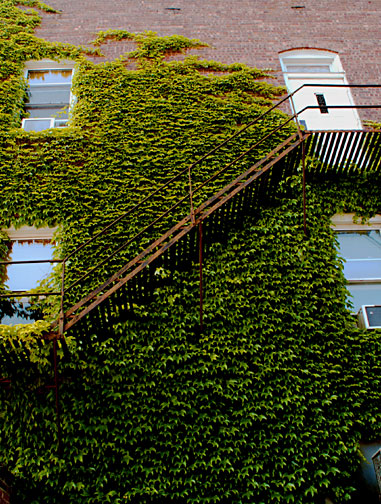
269, 403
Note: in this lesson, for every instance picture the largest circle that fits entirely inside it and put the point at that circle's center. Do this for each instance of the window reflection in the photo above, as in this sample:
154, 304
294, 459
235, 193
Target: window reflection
49, 98
49, 76
362, 267
19, 278
24, 277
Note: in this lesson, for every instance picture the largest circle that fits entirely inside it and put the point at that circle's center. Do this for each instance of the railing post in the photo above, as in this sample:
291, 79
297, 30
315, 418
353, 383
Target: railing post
61, 324
191, 196
304, 188
296, 115
57, 395
200, 276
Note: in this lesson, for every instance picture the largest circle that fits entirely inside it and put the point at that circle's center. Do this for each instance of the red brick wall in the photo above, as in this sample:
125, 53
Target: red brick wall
249, 31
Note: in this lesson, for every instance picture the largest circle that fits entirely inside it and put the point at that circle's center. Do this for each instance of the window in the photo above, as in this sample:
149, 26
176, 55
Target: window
25, 244
360, 246
319, 67
49, 92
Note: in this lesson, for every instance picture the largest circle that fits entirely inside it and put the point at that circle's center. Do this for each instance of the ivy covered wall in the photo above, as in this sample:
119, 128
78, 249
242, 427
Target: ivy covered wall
270, 402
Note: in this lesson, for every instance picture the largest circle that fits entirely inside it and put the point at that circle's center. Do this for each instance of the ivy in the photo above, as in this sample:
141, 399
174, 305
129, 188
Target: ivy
269, 403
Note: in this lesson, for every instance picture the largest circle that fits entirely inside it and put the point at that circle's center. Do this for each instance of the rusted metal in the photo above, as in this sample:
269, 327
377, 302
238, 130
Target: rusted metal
304, 188
15, 294
123, 216
62, 312
295, 114
181, 231
191, 195
124, 280
129, 265
6, 382
58, 421
51, 335
126, 243
222, 199
274, 151
239, 182
200, 277
33, 261
354, 144
180, 228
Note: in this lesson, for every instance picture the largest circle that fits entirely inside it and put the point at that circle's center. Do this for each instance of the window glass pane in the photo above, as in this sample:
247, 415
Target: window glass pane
49, 76
24, 277
360, 245
20, 314
36, 124
364, 294
58, 112
49, 95
359, 269
362, 253
60, 123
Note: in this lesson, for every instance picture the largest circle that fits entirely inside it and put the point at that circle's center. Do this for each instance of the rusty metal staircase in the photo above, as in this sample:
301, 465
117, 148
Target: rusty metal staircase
135, 282
190, 236
208, 218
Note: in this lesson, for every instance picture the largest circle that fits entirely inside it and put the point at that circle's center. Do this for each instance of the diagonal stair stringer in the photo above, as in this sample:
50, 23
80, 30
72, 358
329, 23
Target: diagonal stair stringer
157, 248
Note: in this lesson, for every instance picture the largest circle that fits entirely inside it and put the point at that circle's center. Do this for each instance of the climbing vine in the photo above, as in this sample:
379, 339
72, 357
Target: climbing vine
270, 402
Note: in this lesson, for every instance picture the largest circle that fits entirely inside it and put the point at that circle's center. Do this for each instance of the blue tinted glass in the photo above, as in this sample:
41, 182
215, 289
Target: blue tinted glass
20, 315
364, 294
362, 269
36, 124
362, 254
360, 245
49, 76
24, 277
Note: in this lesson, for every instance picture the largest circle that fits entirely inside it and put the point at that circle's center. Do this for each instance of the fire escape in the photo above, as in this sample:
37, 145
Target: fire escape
203, 218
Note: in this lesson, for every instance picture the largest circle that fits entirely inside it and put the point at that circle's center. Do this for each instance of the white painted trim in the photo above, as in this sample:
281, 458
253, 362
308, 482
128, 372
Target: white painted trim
26, 233
293, 80
51, 119
310, 57
351, 222
46, 64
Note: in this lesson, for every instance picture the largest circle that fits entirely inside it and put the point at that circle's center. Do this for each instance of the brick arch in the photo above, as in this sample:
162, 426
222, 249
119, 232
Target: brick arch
307, 48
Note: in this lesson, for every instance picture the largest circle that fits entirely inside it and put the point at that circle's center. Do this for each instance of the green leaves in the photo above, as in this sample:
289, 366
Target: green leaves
269, 403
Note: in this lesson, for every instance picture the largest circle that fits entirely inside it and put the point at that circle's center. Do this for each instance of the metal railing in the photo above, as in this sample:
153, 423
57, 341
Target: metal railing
186, 201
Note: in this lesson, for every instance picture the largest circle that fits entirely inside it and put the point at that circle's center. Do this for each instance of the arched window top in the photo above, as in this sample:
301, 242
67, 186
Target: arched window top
316, 79
307, 61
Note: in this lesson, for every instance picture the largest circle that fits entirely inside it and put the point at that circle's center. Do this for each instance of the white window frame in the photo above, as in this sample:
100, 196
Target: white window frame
31, 234
25, 234
50, 65
316, 57
311, 57
350, 223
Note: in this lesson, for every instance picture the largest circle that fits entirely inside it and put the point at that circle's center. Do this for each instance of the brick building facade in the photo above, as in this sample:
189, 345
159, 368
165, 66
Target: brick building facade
250, 32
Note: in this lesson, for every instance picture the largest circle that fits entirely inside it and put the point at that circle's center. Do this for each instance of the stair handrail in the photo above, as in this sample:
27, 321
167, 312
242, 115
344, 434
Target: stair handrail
293, 117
